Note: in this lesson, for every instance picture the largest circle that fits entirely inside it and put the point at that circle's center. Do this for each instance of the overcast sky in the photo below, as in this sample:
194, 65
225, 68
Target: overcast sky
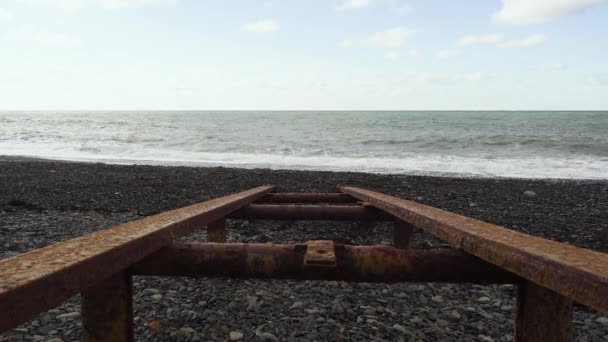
303, 54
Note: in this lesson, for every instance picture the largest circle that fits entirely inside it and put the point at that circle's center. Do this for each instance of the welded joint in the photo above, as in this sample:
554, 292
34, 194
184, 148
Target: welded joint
320, 253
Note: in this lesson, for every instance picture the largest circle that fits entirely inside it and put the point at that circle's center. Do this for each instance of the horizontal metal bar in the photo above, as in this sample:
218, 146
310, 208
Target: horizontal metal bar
310, 212
43, 278
576, 273
352, 263
307, 197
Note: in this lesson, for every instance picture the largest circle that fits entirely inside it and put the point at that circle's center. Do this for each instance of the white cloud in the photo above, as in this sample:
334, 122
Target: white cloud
484, 39
391, 38
449, 78
531, 41
346, 43
553, 67
447, 53
354, 4
435, 78
413, 53
71, 5
5, 15
478, 77
522, 12
30, 33
404, 8
392, 55
598, 80
262, 26
499, 40
393, 5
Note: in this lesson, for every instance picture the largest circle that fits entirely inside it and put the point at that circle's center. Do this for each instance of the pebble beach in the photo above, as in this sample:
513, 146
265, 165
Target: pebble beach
43, 202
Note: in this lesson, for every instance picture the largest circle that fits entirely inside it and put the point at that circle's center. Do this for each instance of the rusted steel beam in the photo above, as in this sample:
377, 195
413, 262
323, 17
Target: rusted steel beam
575, 273
107, 310
216, 231
43, 278
303, 197
352, 263
542, 315
402, 234
310, 212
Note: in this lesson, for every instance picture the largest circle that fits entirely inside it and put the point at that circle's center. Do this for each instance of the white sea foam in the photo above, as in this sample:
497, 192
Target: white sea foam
535, 167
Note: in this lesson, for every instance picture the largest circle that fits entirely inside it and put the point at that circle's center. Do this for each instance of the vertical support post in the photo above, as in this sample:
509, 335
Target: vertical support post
542, 315
403, 232
216, 231
107, 310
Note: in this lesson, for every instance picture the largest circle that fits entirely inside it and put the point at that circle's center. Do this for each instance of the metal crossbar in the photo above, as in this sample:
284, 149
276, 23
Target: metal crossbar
550, 276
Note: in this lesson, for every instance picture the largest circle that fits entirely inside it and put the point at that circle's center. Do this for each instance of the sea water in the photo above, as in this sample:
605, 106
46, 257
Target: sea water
456, 143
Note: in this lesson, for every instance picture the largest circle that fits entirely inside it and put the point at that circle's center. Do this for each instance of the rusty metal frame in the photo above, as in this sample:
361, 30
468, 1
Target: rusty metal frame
43, 278
578, 274
550, 275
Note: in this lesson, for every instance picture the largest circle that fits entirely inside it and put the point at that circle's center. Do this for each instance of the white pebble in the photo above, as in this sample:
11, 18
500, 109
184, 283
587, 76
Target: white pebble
69, 315
236, 336
602, 320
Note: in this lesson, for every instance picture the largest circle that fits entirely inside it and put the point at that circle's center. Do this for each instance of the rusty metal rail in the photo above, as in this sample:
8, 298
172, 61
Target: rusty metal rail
550, 276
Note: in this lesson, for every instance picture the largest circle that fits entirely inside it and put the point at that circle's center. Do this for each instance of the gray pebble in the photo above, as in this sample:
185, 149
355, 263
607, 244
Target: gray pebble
400, 328
266, 336
442, 323
437, 299
296, 305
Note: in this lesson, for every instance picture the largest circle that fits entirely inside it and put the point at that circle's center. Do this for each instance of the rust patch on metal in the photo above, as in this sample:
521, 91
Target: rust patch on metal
352, 263
43, 278
320, 253
576, 273
310, 212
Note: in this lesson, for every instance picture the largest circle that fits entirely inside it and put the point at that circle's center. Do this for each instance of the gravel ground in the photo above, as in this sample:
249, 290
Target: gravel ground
42, 202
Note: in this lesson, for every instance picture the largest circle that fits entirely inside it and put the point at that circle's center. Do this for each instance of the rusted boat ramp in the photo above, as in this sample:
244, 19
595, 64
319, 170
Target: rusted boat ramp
550, 276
